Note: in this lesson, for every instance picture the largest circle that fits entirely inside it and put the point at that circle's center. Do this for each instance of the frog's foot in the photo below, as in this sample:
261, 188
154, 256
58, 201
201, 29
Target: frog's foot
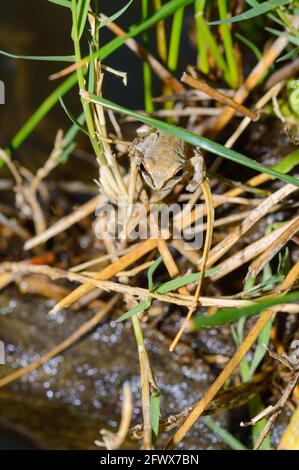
197, 170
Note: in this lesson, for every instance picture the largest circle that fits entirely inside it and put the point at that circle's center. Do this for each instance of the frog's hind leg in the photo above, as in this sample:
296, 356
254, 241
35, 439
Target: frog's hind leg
208, 240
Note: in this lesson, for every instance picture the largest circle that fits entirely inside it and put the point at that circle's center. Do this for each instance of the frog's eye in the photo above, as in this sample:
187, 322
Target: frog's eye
179, 173
142, 168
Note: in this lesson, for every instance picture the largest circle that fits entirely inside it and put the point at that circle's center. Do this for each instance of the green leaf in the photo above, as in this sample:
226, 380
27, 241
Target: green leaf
146, 303
168, 286
258, 54
228, 315
73, 131
155, 414
82, 12
47, 58
289, 55
290, 37
72, 118
288, 162
257, 10
226, 437
115, 15
151, 271
62, 3
143, 305
260, 350
174, 284
196, 140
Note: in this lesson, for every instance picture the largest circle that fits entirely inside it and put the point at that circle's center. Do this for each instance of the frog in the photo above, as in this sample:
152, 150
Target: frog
165, 160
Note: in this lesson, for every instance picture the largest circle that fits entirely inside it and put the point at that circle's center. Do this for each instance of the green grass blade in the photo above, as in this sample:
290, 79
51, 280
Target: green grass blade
82, 12
147, 71
40, 113
73, 131
291, 38
287, 163
72, 118
228, 315
232, 68
226, 437
175, 39
151, 271
143, 305
196, 140
174, 284
62, 3
47, 58
155, 414
202, 55
289, 55
115, 15
257, 10
260, 350
258, 54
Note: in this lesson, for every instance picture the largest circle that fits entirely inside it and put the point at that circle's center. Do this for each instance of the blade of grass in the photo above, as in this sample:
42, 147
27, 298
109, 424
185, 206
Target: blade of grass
147, 73
116, 15
62, 3
82, 12
232, 68
194, 139
202, 59
290, 37
160, 34
78, 12
155, 415
257, 10
175, 39
146, 303
228, 315
226, 437
72, 118
205, 38
47, 58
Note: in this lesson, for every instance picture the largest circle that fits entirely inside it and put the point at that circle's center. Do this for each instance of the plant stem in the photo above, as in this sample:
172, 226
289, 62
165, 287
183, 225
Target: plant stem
202, 57
232, 69
147, 73
161, 34
175, 39
206, 38
81, 83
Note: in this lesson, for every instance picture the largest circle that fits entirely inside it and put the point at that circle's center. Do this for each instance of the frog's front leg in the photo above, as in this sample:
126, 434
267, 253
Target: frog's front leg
197, 170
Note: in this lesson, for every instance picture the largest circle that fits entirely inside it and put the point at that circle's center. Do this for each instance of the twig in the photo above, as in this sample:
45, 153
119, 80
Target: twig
218, 96
208, 241
108, 272
289, 230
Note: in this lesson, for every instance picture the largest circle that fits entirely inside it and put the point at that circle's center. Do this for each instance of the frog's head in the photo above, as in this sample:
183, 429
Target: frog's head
161, 177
